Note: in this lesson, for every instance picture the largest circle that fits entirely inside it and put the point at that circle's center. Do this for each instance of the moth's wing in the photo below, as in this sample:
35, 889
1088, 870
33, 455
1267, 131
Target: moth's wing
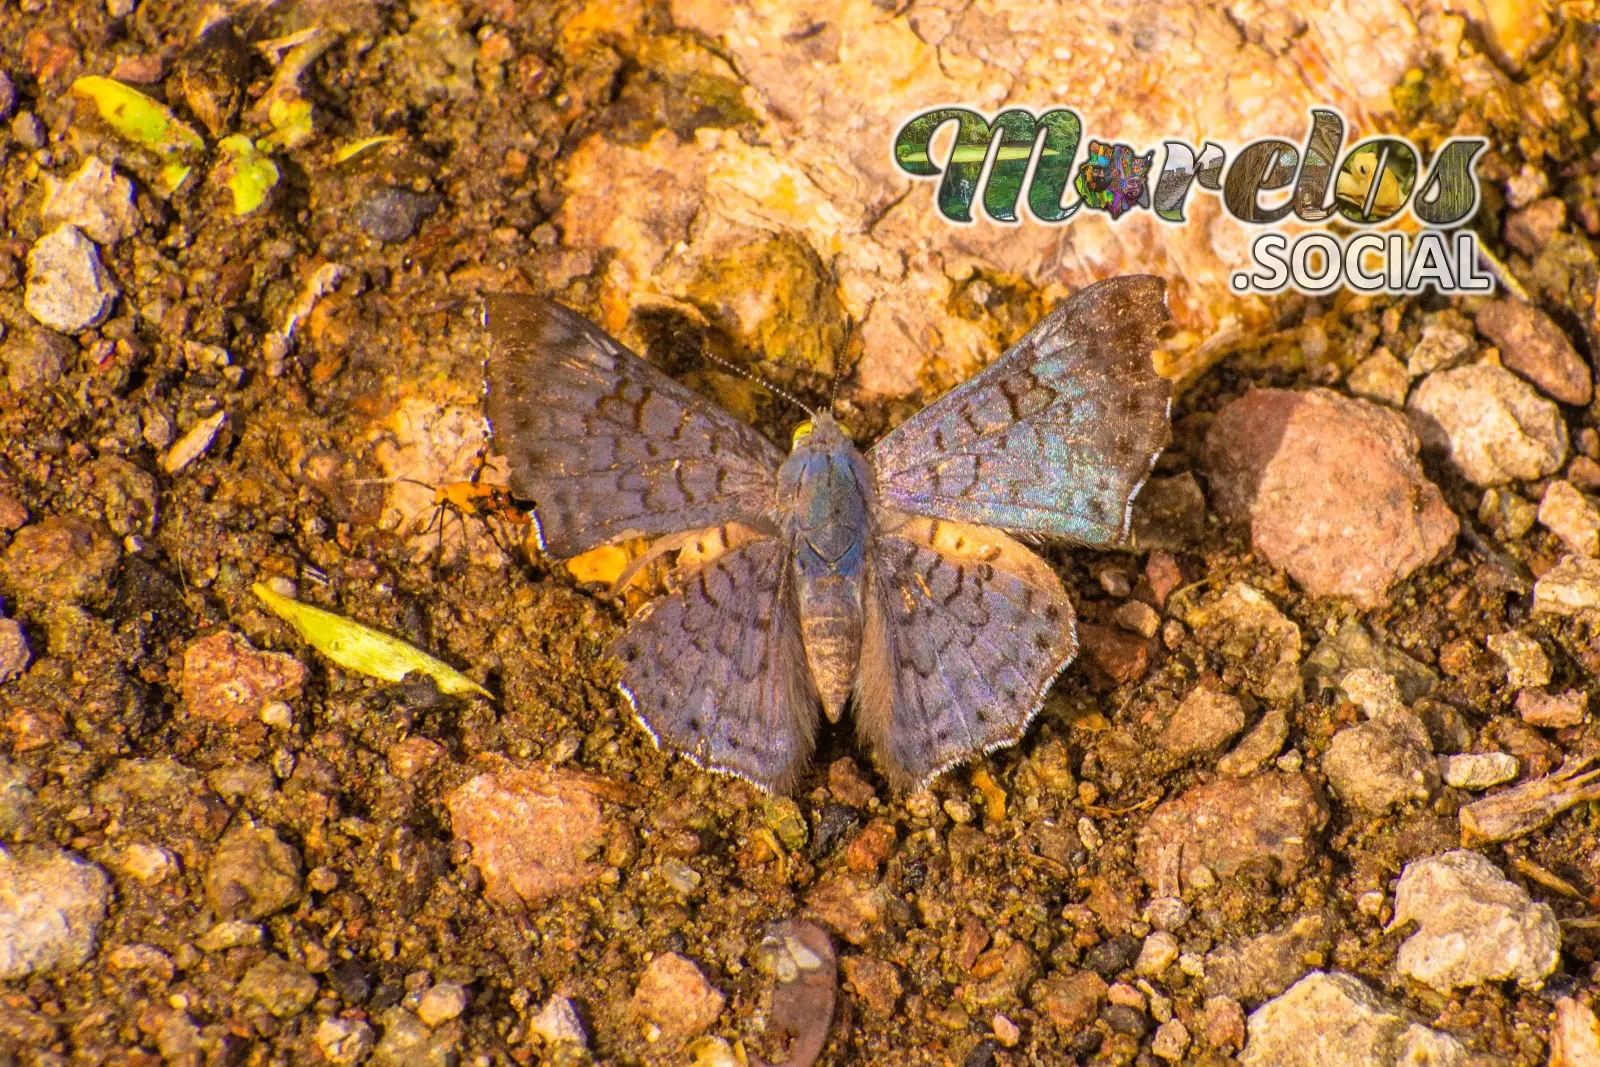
717, 670
605, 445
1053, 438
965, 631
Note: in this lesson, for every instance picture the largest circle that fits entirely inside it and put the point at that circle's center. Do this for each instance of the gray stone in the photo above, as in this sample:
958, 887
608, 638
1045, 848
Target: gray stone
1495, 428
1385, 761
95, 200
68, 289
1334, 1020
1478, 770
392, 214
51, 907
558, 1022
1473, 925
1168, 513
1352, 647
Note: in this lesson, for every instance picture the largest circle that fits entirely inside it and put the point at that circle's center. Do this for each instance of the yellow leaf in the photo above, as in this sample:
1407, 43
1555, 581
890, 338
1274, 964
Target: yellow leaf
360, 648
604, 564
249, 175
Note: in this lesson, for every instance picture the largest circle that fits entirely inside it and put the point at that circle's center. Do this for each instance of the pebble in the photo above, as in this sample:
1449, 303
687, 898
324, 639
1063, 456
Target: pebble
68, 290
14, 653
1171, 1041
1005, 1031
1168, 513
1257, 968
8, 95
1122, 657
61, 560
1383, 762
1569, 515
1525, 660
231, 933
280, 986
35, 359
1380, 377
1222, 1024
1440, 346
875, 981
1569, 588
1205, 721
147, 864
51, 907
532, 831
1584, 472
1166, 913
194, 443
407, 1043
13, 513
1531, 229
1250, 632
847, 785
1137, 617
1575, 1037
1070, 1001
557, 1023
1508, 515
1478, 770
674, 995
869, 849
1263, 742
391, 214
141, 958
1224, 824
851, 907
1493, 425
343, 1042
1162, 572
1473, 925
28, 131
442, 1003
252, 874
1553, 710
1333, 1018
227, 680
95, 200
1536, 348
1330, 487
1159, 951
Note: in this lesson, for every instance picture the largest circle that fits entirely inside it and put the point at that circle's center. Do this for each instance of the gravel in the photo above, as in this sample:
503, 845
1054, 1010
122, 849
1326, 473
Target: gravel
51, 906
1331, 1018
1492, 424
68, 288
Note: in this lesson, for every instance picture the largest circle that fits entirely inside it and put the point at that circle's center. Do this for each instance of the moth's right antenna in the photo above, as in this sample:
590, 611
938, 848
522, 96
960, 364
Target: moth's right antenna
750, 375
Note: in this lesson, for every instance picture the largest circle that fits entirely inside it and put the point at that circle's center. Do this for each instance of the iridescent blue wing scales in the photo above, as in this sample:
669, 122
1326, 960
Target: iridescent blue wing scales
717, 671
965, 630
605, 445
1055, 437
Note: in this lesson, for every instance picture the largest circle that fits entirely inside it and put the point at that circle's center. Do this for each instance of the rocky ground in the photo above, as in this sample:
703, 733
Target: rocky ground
1320, 790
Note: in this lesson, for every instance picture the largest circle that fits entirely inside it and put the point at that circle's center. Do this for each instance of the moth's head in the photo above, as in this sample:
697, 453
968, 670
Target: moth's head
820, 433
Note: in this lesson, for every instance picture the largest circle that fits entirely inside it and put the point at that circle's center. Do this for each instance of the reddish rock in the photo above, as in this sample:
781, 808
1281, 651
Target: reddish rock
871, 846
1161, 571
1530, 229
874, 981
532, 831
1553, 711
13, 515
1536, 348
14, 654
225, 679
1120, 655
674, 995
1330, 487
1070, 1001
61, 560
1223, 1024
1204, 722
1225, 824
851, 909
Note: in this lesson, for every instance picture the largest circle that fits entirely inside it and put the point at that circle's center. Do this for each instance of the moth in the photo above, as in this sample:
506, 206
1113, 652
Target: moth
891, 581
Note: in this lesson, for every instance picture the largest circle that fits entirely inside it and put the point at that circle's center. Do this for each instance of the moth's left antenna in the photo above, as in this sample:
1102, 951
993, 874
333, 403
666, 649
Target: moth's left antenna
750, 375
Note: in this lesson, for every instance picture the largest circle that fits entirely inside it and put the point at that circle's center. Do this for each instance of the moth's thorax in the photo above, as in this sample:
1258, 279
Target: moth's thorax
825, 504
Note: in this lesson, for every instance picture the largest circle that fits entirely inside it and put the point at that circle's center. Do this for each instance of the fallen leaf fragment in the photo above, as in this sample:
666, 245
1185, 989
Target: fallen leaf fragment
362, 649
249, 174
146, 123
1531, 805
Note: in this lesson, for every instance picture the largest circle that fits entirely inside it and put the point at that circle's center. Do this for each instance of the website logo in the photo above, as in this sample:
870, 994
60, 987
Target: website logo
1382, 219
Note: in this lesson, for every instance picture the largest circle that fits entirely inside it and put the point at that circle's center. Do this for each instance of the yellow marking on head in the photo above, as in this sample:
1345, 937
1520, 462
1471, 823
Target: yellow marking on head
803, 430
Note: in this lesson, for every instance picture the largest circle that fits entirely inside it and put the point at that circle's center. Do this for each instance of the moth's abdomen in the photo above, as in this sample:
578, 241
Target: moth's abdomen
830, 628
